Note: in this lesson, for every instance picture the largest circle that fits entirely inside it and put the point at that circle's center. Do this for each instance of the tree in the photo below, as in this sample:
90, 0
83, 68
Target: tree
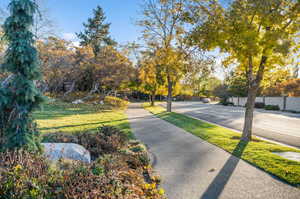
273, 79
237, 83
18, 94
110, 73
291, 88
57, 62
163, 29
96, 32
43, 26
258, 35
150, 76
115, 71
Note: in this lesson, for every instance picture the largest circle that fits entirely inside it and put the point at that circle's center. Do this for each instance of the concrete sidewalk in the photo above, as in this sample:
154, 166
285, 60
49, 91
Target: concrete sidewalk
194, 169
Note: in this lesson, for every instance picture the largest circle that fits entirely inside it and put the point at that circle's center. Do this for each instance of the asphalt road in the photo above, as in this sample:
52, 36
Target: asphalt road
275, 125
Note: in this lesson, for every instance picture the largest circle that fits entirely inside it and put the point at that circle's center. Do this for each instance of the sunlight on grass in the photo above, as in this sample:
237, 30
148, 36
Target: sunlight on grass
257, 152
70, 118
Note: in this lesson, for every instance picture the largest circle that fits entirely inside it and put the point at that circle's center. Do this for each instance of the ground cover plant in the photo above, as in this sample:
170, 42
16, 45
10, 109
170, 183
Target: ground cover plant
120, 168
257, 152
121, 175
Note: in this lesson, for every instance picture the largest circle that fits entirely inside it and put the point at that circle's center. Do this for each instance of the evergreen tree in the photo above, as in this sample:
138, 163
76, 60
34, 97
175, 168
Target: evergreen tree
18, 94
96, 33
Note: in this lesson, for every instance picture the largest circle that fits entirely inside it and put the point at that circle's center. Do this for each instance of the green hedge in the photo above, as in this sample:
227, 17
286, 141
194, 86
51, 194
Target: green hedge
272, 107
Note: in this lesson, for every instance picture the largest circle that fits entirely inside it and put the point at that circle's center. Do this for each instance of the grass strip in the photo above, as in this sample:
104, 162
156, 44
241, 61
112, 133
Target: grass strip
257, 152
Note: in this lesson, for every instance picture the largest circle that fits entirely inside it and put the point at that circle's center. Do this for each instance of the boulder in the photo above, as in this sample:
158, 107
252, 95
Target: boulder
57, 151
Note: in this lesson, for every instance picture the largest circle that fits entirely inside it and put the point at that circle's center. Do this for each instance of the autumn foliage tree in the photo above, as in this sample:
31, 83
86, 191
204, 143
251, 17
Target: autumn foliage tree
57, 63
257, 35
163, 29
291, 88
161, 23
151, 77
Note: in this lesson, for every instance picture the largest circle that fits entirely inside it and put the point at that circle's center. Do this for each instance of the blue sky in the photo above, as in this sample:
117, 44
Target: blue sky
69, 15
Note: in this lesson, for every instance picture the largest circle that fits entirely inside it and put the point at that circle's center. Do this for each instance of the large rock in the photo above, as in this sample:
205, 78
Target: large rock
57, 151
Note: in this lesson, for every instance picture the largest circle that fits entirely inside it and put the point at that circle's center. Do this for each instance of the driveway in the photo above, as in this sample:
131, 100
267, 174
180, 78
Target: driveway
278, 126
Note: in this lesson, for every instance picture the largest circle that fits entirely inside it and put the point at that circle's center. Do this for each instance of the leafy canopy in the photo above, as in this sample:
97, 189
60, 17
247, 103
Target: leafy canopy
249, 31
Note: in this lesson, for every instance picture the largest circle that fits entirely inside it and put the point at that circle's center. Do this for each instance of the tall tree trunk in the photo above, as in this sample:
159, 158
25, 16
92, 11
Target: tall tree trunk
248, 123
170, 95
253, 86
152, 99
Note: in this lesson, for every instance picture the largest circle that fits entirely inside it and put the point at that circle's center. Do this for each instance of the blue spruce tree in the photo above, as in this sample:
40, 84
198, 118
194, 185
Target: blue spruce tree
18, 94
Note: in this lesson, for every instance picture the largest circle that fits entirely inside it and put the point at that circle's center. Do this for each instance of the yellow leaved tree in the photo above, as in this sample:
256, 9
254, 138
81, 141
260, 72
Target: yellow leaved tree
258, 36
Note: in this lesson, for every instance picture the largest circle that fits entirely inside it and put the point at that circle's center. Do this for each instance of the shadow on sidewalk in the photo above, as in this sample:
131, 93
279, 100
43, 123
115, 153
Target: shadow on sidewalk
218, 184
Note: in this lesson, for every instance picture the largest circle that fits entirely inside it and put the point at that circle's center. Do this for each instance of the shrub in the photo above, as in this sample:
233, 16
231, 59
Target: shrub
115, 102
272, 107
60, 138
106, 139
121, 170
226, 103
259, 105
24, 175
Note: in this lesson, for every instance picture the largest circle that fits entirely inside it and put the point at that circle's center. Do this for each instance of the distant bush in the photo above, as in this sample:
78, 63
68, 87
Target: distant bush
115, 102
225, 102
259, 105
272, 107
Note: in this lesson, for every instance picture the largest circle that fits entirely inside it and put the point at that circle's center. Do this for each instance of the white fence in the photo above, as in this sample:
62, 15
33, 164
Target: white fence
285, 103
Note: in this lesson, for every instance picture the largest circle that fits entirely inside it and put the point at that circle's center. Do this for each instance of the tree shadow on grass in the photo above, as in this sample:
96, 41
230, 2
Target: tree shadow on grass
217, 186
81, 125
123, 126
179, 120
54, 111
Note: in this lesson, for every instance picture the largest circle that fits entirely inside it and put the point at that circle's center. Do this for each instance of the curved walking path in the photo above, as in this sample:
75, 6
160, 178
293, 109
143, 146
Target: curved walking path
194, 169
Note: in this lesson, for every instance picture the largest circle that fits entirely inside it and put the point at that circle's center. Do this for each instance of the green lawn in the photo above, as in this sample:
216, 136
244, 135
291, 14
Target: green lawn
70, 118
257, 152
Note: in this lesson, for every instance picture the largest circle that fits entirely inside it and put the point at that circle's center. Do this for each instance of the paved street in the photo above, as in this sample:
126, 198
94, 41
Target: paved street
278, 126
194, 169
